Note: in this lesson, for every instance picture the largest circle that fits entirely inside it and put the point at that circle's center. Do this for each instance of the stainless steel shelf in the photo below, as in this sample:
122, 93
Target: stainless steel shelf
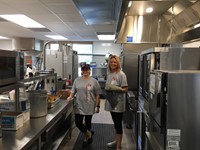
41, 76
9, 87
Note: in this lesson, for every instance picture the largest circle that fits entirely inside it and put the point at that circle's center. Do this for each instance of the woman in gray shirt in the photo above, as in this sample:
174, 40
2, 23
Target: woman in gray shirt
116, 88
86, 103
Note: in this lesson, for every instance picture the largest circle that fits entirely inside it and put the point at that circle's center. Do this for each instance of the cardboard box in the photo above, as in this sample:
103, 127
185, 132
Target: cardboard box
26, 115
12, 120
24, 105
10, 105
7, 106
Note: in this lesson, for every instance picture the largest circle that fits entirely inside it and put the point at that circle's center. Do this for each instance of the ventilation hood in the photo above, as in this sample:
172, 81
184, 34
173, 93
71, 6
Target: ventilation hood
26, 44
172, 21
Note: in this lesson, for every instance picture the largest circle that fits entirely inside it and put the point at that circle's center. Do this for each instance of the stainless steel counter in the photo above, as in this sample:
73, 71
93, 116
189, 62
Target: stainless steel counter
32, 131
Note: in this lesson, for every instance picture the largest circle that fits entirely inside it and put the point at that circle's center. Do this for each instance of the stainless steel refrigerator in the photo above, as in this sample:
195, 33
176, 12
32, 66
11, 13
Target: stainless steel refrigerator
65, 65
174, 110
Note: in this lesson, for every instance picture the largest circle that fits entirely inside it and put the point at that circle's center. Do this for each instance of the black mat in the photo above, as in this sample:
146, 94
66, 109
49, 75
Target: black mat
104, 133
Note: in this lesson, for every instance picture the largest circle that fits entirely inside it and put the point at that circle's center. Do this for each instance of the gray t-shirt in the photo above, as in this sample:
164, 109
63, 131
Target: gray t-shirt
86, 92
118, 79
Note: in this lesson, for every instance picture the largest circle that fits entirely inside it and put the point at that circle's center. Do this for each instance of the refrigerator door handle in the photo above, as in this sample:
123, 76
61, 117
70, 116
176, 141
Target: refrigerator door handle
158, 100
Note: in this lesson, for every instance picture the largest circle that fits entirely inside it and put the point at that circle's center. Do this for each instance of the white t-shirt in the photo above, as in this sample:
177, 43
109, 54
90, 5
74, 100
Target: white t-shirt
118, 79
86, 92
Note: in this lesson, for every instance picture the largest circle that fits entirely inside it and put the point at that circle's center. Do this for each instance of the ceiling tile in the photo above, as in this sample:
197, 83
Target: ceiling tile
62, 8
56, 1
79, 26
70, 18
31, 9
46, 18
59, 16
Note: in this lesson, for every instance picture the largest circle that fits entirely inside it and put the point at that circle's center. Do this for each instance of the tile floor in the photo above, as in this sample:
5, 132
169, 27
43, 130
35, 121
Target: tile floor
103, 117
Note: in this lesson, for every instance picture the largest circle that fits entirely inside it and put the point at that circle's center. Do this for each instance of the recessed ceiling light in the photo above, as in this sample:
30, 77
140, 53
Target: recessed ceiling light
106, 37
22, 20
3, 37
149, 10
56, 37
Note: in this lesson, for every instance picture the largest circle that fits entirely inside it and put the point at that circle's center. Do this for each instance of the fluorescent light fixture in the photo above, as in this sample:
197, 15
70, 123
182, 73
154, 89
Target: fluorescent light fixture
106, 44
22, 20
106, 37
3, 37
197, 25
129, 4
56, 37
140, 27
149, 10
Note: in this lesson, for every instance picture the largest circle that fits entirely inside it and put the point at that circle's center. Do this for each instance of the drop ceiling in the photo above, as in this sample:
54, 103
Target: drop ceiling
81, 20
74, 20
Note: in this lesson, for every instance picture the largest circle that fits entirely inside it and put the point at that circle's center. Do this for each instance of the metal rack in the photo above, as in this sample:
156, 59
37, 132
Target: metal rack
39, 132
20, 84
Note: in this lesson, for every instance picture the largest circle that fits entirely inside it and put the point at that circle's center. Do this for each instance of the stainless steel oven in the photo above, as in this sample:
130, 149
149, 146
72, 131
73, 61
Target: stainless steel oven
149, 64
156, 98
141, 72
174, 109
143, 126
11, 67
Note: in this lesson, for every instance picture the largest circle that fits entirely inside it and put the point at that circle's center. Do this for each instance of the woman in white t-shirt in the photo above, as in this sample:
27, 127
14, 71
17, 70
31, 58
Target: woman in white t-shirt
86, 103
116, 88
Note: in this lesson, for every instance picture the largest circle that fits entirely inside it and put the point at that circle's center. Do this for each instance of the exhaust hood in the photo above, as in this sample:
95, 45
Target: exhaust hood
172, 21
26, 44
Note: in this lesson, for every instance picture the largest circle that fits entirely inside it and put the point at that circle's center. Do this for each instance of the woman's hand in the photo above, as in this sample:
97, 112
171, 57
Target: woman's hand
69, 98
124, 89
97, 109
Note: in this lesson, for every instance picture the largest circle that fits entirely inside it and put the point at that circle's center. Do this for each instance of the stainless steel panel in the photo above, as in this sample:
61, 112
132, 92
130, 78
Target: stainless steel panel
183, 108
130, 67
71, 66
180, 59
100, 12
172, 21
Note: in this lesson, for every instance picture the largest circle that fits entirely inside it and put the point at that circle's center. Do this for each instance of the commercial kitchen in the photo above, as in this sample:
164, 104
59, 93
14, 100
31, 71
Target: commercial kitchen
158, 43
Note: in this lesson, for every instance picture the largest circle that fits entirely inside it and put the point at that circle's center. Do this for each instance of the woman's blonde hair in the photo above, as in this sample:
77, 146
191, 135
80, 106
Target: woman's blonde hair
118, 63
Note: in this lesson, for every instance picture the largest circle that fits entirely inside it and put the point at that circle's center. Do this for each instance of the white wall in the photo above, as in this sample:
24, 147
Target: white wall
192, 44
100, 49
6, 44
104, 47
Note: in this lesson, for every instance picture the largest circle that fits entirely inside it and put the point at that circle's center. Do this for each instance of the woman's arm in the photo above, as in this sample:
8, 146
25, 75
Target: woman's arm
125, 89
97, 103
